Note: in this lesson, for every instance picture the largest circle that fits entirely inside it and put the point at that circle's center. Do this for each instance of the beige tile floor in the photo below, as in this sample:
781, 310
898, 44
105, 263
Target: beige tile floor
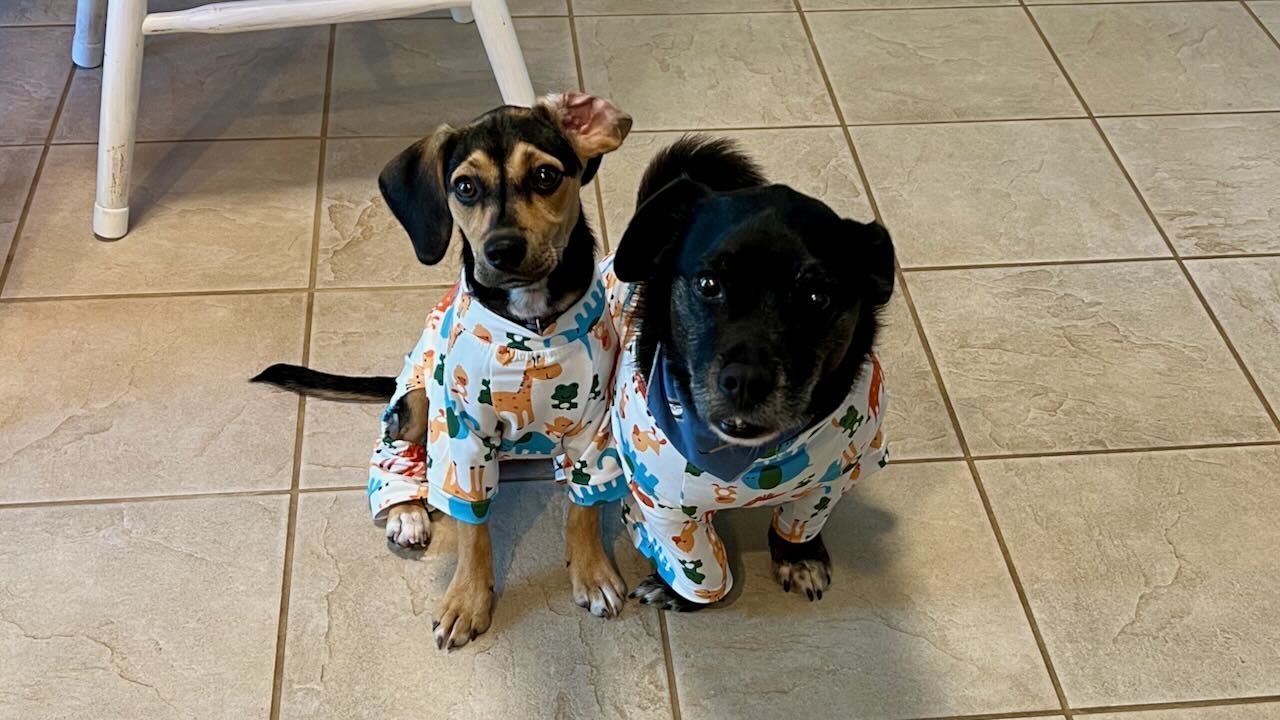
1084, 357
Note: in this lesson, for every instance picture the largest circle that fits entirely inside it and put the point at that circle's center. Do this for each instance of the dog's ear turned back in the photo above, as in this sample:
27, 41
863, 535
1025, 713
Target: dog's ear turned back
593, 125
876, 257
413, 185
655, 230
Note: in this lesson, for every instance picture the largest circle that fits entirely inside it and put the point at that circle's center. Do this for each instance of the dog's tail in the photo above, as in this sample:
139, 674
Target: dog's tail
312, 383
718, 163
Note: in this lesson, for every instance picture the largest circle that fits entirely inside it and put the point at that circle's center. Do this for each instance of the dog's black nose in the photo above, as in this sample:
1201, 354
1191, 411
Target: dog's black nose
746, 385
505, 252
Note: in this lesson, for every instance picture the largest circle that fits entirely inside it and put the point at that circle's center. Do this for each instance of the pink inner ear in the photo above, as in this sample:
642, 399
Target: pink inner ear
580, 109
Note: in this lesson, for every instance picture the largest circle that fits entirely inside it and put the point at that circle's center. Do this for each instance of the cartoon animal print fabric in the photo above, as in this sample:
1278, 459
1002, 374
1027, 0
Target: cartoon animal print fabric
496, 392
672, 501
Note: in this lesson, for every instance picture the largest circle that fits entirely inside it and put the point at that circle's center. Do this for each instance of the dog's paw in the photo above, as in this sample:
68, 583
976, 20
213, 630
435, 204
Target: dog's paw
655, 591
804, 567
409, 525
465, 614
597, 586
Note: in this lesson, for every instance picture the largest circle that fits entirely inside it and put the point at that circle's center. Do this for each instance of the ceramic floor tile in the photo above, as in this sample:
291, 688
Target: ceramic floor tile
1083, 357
1152, 576
356, 333
360, 617
1245, 297
812, 160
1035, 191
1269, 12
699, 71
205, 216
404, 77
640, 7
917, 423
1165, 57
256, 84
361, 244
146, 610
1210, 179
36, 63
111, 398
921, 619
926, 65
894, 4
1261, 711
17, 168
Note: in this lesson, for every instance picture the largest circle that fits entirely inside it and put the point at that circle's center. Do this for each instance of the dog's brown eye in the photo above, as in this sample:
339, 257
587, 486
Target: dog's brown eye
546, 178
817, 300
466, 189
708, 286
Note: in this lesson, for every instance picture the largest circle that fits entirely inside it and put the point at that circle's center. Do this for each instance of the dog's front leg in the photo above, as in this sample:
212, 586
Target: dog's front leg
801, 566
468, 603
596, 584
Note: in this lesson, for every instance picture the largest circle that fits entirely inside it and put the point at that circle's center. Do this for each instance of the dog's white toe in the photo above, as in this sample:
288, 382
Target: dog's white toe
807, 577
409, 525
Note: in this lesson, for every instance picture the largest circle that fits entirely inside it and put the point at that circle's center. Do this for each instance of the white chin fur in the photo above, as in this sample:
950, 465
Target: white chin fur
529, 302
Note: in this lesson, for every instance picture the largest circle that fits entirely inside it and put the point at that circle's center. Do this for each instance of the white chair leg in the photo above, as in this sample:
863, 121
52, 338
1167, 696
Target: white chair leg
462, 15
91, 26
499, 37
118, 118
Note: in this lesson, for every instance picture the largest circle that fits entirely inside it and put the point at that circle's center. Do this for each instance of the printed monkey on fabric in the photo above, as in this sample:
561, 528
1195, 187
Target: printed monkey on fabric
496, 392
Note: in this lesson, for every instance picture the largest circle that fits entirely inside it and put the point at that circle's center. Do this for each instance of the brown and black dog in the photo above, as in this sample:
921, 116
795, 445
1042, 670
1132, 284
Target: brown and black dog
508, 186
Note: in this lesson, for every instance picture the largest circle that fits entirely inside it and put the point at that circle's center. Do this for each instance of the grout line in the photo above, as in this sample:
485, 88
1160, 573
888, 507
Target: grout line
1180, 704
1133, 185
1122, 451
986, 501
1249, 9
1036, 264
670, 666
218, 293
6, 264
1232, 256
1012, 715
835, 105
897, 461
286, 583
946, 397
26, 504
725, 129
602, 231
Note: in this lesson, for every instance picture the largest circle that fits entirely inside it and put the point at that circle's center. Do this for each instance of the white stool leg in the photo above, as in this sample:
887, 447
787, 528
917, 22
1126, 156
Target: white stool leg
499, 37
462, 15
91, 25
118, 118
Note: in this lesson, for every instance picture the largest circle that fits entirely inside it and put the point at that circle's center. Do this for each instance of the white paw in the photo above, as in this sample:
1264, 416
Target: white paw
409, 525
808, 577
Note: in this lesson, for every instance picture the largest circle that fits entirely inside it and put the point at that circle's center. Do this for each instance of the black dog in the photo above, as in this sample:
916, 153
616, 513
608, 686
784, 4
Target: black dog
764, 305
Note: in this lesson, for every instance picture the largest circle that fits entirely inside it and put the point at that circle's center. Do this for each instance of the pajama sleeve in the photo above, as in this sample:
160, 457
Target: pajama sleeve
590, 465
801, 519
465, 435
397, 470
686, 551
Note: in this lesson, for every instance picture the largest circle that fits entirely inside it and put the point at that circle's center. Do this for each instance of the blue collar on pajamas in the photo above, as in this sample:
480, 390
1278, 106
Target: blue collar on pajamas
673, 412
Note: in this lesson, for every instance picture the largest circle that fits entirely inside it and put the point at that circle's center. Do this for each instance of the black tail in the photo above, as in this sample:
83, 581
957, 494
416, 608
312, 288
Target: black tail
717, 163
344, 388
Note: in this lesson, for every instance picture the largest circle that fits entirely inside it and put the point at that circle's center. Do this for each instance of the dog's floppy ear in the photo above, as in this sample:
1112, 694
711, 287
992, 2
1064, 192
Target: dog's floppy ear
655, 230
874, 253
593, 125
413, 185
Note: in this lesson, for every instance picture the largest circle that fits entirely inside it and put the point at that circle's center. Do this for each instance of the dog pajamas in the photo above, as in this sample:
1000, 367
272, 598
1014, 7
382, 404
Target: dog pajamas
496, 391
680, 474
